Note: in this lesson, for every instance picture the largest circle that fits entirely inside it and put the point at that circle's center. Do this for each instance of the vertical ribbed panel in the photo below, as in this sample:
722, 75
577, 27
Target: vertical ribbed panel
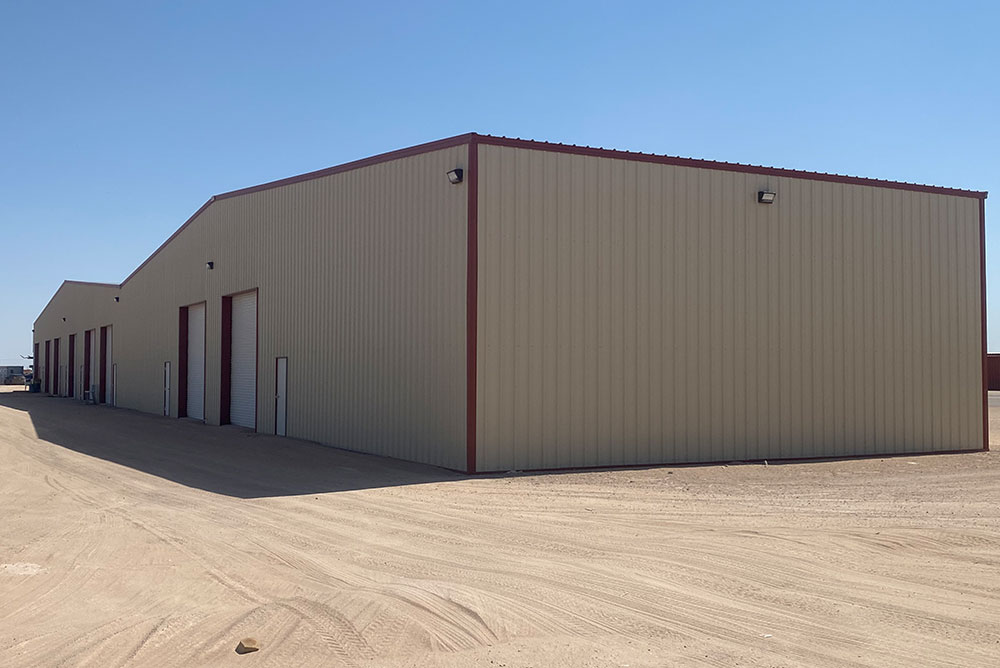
361, 284
635, 313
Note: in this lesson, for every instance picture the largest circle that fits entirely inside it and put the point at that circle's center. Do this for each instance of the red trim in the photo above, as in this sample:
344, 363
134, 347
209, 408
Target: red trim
70, 362
55, 367
182, 361
472, 307
419, 149
225, 373
471, 138
256, 356
204, 364
48, 366
721, 166
169, 239
329, 171
86, 361
68, 282
982, 283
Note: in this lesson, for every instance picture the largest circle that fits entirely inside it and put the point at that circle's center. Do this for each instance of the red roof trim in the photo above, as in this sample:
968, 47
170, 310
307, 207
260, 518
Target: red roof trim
722, 166
169, 239
329, 171
71, 282
356, 164
563, 148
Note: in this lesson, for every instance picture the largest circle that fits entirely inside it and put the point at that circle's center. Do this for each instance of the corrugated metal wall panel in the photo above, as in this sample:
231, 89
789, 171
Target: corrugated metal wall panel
634, 313
361, 279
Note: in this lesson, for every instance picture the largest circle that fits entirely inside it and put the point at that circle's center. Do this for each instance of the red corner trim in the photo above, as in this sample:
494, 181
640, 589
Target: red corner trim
982, 283
472, 307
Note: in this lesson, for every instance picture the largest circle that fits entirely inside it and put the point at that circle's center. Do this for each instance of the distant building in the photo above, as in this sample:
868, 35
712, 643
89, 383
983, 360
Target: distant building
10, 375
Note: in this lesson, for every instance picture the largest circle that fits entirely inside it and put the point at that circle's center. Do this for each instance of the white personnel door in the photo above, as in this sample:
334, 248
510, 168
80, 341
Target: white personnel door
243, 378
280, 399
196, 362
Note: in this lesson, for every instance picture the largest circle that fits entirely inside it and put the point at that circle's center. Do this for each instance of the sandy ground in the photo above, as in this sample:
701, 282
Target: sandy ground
129, 539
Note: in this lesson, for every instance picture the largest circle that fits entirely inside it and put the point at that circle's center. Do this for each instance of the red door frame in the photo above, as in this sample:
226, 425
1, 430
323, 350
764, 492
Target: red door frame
182, 359
48, 367
86, 362
55, 367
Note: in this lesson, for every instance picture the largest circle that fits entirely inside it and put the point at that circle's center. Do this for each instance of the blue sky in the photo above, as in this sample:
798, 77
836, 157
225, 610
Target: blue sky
118, 120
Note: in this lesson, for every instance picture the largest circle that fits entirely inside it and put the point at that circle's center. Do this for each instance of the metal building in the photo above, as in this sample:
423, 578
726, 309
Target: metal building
483, 303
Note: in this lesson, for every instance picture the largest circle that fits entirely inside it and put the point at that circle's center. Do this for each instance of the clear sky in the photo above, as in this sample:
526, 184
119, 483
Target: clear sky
118, 120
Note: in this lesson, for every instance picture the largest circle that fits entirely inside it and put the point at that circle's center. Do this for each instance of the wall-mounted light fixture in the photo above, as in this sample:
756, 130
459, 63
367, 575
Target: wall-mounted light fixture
765, 197
210, 265
455, 176
117, 298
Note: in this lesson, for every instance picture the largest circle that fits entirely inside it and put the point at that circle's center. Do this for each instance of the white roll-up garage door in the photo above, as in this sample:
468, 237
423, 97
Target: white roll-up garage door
243, 396
196, 362
109, 369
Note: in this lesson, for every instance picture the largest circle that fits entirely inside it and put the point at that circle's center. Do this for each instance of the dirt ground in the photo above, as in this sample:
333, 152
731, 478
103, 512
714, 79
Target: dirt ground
128, 539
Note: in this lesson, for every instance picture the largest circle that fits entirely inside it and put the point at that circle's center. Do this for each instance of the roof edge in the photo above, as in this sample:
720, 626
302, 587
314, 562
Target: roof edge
573, 149
427, 147
71, 282
512, 142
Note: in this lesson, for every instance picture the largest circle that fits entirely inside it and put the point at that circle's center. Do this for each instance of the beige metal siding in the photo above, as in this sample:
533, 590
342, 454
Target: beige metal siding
635, 313
85, 306
361, 279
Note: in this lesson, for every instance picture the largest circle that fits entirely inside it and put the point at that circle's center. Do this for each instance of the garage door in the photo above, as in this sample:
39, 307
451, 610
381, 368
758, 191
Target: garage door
196, 362
243, 377
109, 370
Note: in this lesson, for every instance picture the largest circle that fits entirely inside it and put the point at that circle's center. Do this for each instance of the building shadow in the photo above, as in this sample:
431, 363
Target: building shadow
224, 460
